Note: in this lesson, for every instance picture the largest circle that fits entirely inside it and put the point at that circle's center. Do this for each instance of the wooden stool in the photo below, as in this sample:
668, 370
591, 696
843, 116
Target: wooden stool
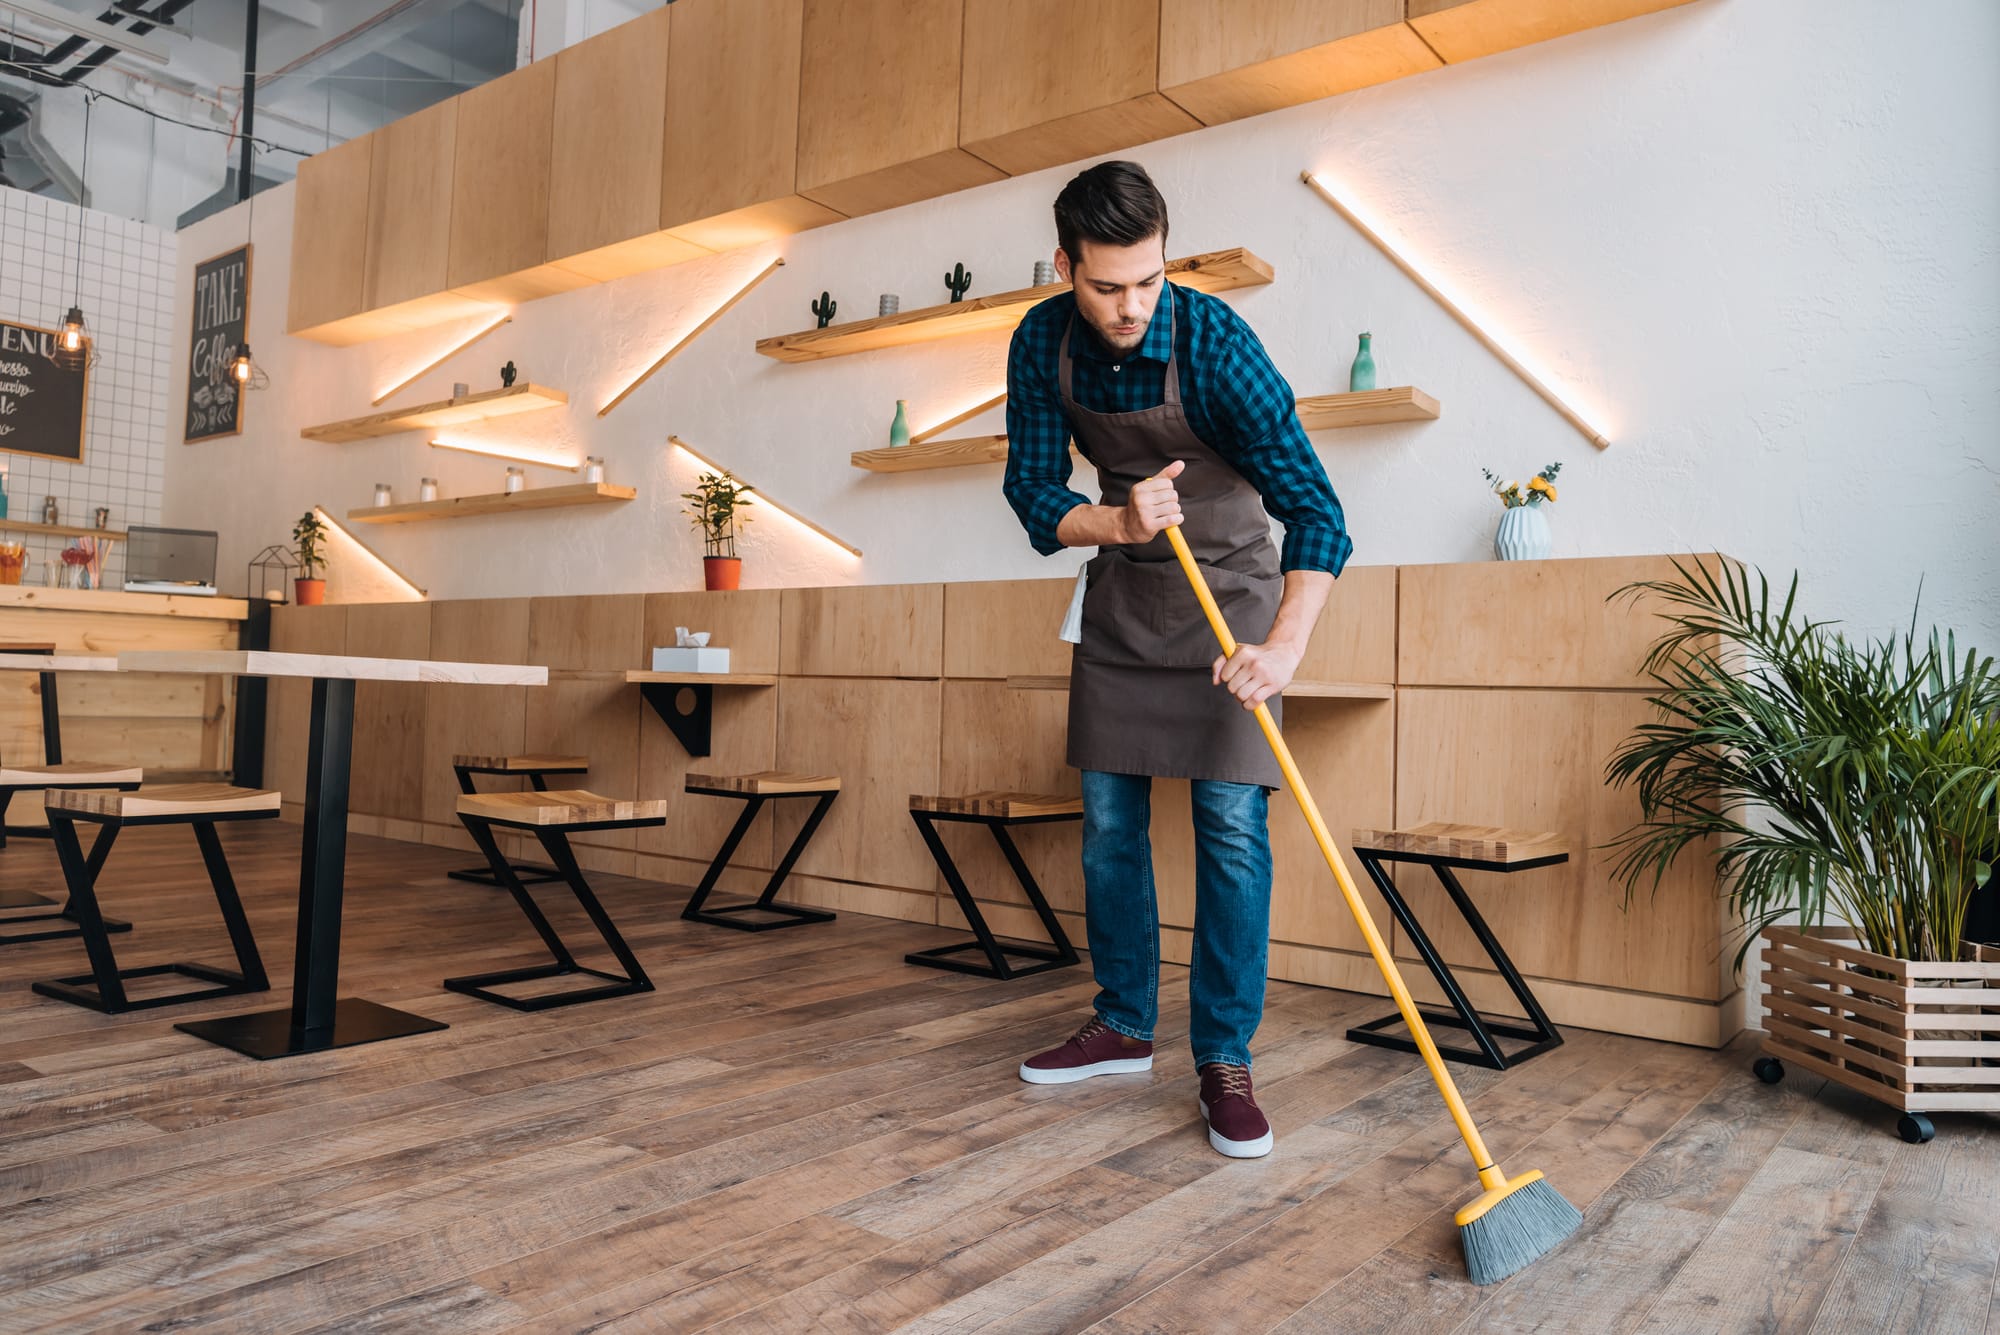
70, 776
754, 790
1442, 846
552, 817
535, 769
996, 811
198, 804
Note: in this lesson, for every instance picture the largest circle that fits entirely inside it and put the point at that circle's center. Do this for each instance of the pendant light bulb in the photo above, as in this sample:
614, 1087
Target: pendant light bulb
241, 368
73, 331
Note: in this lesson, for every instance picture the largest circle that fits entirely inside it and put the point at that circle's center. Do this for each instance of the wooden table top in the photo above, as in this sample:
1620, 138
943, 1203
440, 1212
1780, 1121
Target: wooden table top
264, 663
14, 661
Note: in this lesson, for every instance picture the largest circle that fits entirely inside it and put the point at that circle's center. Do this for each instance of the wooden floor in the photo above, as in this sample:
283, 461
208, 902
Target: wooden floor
798, 1132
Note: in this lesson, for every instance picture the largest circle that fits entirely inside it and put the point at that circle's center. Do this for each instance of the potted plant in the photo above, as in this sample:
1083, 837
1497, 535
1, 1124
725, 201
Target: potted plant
309, 533
1854, 786
715, 502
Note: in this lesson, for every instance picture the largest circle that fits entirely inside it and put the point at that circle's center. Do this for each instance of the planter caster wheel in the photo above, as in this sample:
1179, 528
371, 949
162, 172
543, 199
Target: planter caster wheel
1770, 1070
1915, 1128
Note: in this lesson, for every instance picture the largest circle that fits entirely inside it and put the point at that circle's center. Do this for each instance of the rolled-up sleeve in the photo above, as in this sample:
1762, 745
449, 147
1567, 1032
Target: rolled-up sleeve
1258, 414
1038, 468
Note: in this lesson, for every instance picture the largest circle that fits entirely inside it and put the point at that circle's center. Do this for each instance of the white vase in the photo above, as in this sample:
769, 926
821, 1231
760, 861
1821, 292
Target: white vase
1523, 535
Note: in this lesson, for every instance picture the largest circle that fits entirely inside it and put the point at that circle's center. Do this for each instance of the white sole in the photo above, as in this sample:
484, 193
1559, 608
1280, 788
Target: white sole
1071, 1074
1237, 1149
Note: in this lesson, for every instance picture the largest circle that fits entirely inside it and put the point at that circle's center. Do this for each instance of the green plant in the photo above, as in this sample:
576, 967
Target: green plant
958, 281
1857, 781
1541, 487
717, 497
309, 533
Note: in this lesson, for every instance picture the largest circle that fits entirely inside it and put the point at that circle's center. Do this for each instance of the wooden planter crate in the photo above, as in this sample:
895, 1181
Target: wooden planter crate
1918, 1037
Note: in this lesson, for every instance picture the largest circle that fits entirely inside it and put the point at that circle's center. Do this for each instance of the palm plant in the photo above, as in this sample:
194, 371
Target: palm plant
1857, 781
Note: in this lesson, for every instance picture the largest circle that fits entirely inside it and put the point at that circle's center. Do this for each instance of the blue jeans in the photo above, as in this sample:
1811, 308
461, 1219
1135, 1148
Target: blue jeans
1232, 918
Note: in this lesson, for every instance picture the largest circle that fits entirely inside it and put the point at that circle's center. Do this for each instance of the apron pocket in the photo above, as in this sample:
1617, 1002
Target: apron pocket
1144, 614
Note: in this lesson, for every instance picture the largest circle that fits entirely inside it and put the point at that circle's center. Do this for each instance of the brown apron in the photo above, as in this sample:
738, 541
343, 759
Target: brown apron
1140, 697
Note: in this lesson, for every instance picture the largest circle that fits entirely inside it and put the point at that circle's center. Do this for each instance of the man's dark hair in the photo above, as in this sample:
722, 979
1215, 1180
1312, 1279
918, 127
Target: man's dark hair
1113, 204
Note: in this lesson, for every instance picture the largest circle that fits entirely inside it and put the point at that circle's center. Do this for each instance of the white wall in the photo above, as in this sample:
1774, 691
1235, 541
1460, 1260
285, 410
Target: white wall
128, 303
1754, 238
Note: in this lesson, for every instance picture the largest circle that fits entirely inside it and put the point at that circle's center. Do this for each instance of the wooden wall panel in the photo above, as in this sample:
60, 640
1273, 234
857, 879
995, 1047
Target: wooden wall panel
744, 732
288, 707
1534, 760
1224, 60
871, 630
881, 738
1461, 30
409, 206
1006, 628
479, 720
1355, 639
1526, 623
1049, 81
501, 168
732, 128
597, 716
1013, 740
330, 234
878, 105
388, 777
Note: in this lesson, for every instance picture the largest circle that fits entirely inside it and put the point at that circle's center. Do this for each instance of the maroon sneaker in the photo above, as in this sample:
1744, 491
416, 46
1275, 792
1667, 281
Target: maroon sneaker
1237, 1127
1095, 1049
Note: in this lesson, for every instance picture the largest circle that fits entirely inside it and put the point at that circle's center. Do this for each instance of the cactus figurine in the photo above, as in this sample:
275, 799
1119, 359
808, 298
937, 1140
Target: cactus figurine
958, 280
824, 309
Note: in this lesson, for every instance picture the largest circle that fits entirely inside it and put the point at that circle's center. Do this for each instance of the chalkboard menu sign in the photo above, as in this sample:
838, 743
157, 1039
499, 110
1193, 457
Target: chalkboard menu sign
41, 400
221, 312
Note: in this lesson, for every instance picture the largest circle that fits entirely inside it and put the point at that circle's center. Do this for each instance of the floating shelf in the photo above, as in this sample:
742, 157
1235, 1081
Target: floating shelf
1217, 271
1323, 412
1405, 403
933, 454
1324, 690
464, 507
450, 412
644, 677
65, 531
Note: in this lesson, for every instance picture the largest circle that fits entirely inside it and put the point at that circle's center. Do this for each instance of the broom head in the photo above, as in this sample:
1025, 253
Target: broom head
1513, 1225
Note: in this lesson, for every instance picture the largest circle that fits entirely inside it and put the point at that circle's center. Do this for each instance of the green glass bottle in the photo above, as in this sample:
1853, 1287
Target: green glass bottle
1362, 376
899, 430
3, 491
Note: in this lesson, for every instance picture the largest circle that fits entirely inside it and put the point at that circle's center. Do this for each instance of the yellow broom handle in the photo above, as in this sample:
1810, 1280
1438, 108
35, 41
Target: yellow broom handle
1490, 1175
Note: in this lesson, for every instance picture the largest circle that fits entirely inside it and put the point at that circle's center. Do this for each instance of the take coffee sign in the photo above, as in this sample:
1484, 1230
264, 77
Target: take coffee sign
221, 316
41, 398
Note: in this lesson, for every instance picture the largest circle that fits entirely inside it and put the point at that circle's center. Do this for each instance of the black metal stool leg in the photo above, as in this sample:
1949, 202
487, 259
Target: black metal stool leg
1543, 1031
528, 874
81, 874
781, 915
1057, 955
65, 922
249, 964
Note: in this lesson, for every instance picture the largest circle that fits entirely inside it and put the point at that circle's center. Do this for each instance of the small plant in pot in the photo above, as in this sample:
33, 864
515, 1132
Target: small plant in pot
715, 505
1852, 786
309, 533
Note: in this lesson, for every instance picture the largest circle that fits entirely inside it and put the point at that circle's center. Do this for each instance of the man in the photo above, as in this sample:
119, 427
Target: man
1168, 393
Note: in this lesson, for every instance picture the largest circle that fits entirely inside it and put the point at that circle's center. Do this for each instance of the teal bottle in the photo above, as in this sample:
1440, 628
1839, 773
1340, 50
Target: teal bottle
899, 430
3, 493
1362, 376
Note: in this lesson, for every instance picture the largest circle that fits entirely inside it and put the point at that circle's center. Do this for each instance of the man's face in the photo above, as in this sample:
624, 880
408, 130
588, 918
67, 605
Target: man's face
1116, 287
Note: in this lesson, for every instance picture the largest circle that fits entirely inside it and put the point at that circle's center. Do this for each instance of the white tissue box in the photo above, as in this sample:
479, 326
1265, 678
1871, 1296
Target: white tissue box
690, 660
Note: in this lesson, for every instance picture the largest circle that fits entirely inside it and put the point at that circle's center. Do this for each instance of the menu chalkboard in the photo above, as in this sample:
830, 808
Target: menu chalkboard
41, 400
221, 312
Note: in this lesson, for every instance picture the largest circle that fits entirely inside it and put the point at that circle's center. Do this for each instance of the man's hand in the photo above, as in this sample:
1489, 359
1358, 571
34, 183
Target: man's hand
1257, 672
1153, 505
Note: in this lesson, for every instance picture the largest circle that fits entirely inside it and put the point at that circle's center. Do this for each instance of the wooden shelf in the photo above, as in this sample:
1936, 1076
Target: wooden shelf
449, 412
1217, 271
643, 677
1322, 690
464, 507
66, 531
933, 454
1323, 412
1405, 403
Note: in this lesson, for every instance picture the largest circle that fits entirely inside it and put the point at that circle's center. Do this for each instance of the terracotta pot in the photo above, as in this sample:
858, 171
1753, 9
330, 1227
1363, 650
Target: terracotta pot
309, 592
722, 573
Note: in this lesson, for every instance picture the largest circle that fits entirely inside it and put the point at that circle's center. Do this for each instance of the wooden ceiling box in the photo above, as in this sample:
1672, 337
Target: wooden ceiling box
878, 105
409, 207
730, 168
330, 234
1050, 81
500, 190
1461, 30
1223, 60
604, 178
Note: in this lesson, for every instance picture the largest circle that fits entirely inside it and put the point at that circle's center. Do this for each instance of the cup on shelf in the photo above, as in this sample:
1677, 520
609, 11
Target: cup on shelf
13, 558
889, 303
516, 480
460, 389
593, 469
427, 489
383, 494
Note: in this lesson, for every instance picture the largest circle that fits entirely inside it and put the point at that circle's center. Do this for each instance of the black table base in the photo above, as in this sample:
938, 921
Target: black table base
268, 1034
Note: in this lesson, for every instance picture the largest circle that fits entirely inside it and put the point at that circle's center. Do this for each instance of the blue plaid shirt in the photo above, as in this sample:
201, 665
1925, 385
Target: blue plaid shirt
1235, 400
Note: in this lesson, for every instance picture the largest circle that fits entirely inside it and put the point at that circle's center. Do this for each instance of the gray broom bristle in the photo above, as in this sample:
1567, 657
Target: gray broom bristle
1517, 1231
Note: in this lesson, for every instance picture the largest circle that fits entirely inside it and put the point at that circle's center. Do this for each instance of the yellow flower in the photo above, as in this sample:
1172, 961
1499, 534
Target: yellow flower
1551, 491
1538, 484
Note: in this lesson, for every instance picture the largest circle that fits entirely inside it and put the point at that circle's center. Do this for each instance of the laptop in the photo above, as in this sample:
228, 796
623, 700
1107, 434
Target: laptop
170, 560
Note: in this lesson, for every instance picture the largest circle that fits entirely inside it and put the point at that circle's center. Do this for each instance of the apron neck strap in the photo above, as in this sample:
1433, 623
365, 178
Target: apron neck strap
1173, 378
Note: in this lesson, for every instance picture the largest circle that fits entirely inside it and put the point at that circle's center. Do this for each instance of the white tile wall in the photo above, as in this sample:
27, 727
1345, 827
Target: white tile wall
128, 301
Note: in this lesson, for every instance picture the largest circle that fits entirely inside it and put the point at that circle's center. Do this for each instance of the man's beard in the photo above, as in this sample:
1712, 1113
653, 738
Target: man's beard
1125, 343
